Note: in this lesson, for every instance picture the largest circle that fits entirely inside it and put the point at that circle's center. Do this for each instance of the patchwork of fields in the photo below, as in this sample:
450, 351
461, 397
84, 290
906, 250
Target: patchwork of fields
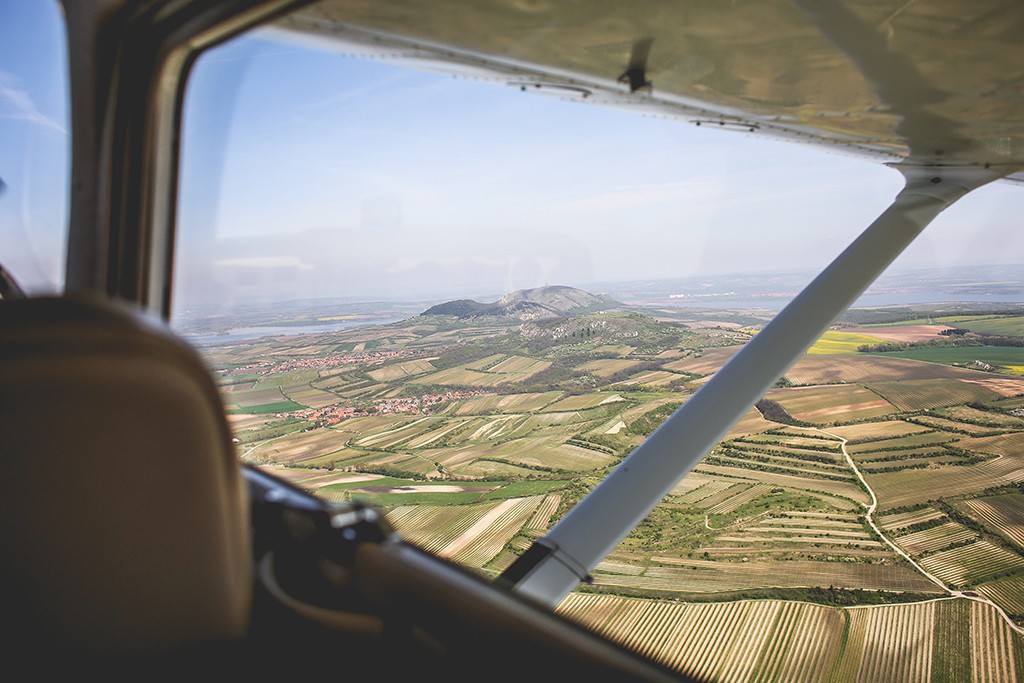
475, 442
771, 640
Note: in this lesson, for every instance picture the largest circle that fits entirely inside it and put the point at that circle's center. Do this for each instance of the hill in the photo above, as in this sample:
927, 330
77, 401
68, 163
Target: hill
529, 304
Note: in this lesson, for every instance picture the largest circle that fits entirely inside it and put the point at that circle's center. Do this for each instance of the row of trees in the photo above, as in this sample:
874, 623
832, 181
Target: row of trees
951, 341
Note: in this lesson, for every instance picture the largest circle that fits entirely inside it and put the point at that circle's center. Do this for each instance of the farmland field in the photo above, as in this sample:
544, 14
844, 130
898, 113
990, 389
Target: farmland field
519, 366
402, 370
841, 342
298, 447
708, 576
969, 564
245, 396
965, 356
844, 495
935, 538
1008, 593
709, 361
831, 403
798, 533
656, 378
608, 366
1007, 387
870, 368
905, 333
900, 520
1002, 514
913, 487
620, 349
510, 403
765, 640
939, 421
871, 431
310, 396
1009, 446
582, 402
999, 325
925, 436
992, 418
471, 535
474, 440
924, 394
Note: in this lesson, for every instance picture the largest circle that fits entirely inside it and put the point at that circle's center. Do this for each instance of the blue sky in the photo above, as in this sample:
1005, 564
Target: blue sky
33, 143
436, 178
308, 172
390, 181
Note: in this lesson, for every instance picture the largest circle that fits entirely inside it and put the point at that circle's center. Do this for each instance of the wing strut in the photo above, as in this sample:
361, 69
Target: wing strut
557, 562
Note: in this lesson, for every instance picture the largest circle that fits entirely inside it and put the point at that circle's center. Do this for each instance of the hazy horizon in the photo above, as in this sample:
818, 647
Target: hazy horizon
1000, 285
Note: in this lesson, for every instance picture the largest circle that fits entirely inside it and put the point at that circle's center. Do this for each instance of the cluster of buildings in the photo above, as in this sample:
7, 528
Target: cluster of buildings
385, 406
326, 362
420, 404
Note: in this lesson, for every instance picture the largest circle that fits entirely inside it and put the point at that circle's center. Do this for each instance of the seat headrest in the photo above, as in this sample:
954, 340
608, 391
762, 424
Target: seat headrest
123, 512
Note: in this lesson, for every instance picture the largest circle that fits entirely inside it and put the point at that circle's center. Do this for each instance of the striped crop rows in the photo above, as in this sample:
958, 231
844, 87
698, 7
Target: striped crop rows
706, 576
901, 520
897, 642
1002, 513
1008, 593
992, 651
804, 532
472, 534
772, 640
489, 534
936, 538
733, 502
545, 511
966, 564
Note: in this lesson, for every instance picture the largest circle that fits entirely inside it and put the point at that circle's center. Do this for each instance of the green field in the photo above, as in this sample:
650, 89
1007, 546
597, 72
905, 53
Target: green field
1011, 326
1003, 356
388, 491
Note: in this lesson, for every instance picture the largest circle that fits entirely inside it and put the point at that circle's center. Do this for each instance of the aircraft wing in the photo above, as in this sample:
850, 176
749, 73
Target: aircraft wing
940, 82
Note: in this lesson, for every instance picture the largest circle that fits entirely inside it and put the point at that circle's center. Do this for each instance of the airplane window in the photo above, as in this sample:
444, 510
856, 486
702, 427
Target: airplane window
33, 144
466, 303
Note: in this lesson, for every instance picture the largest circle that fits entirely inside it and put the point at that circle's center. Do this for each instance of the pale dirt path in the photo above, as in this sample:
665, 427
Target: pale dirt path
868, 516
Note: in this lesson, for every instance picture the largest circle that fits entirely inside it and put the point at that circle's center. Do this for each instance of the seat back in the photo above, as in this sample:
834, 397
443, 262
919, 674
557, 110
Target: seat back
123, 513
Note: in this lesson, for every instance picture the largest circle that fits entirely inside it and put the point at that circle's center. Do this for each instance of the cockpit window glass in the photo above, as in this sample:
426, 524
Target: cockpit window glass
309, 172
467, 303
34, 144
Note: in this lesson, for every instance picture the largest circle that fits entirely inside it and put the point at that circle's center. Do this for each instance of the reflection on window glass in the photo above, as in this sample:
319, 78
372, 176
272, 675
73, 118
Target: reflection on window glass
34, 144
467, 304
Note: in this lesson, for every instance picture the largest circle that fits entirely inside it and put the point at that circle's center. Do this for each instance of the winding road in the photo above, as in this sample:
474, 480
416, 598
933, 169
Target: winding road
869, 516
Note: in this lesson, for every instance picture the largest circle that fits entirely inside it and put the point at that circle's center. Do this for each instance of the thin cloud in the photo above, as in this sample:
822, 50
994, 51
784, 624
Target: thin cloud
18, 105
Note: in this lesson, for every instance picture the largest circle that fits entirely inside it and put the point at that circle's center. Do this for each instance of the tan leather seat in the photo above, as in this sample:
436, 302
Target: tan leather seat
123, 510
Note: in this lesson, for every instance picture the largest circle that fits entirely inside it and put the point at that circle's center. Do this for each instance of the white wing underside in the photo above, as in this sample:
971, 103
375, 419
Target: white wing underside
930, 83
